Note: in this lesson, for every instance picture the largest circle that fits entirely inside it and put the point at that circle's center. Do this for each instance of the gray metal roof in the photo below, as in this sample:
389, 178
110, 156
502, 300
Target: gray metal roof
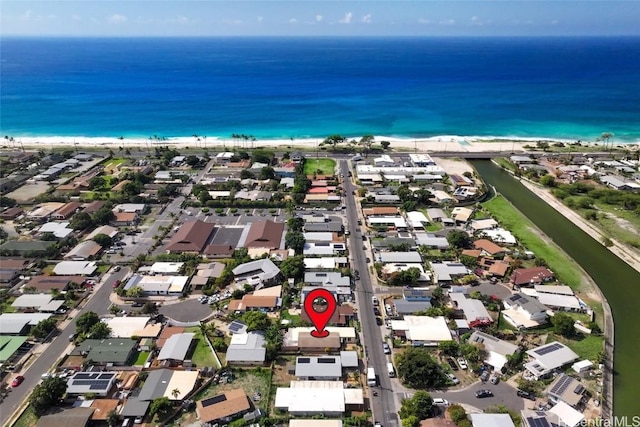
349, 359
249, 350
320, 367
155, 384
492, 343
408, 307
400, 257
176, 347
135, 408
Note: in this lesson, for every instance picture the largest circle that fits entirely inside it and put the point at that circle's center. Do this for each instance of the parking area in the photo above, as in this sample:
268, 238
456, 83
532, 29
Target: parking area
228, 236
229, 216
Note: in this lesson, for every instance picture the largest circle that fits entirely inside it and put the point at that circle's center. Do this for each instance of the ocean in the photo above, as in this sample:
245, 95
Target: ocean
281, 88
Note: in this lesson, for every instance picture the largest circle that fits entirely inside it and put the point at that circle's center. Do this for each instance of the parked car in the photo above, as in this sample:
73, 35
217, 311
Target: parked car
484, 376
526, 395
452, 363
385, 348
379, 321
495, 378
484, 393
116, 268
137, 304
17, 381
453, 379
462, 363
440, 401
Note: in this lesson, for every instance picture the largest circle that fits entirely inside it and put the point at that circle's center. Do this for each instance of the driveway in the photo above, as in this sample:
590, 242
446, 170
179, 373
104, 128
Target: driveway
504, 394
186, 311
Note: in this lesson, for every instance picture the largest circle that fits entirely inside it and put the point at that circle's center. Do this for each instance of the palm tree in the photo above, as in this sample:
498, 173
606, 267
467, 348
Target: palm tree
175, 393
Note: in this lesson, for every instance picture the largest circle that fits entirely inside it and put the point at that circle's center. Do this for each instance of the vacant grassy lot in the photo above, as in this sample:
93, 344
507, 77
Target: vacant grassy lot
587, 347
202, 355
565, 268
114, 163
319, 166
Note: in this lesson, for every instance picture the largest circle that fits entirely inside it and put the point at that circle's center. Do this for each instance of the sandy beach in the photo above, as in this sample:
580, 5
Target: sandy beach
452, 143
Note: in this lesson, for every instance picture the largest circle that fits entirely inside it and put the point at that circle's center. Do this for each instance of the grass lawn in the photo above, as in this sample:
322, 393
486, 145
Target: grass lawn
565, 268
114, 162
587, 348
505, 163
6, 306
103, 268
27, 419
503, 324
202, 355
325, 166
142, 358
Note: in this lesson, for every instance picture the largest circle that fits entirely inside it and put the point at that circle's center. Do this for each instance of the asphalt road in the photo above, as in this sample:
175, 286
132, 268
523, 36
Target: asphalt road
503, 394
382, 405
97, 302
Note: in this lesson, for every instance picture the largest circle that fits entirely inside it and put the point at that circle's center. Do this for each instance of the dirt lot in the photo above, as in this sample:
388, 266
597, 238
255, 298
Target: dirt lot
280, 374
453, 166
28, 192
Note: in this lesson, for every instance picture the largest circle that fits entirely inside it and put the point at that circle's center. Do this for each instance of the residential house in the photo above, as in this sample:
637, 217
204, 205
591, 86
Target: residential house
124, 219
60, 230
547, 358
158, 285
172, 384
10, 214
75, 268
321, 368
46, 283
86, 250
342, 316
66, 211
95, 383
531, 276
417, 220
224, 407
107, 230
566, 389
523, 311
20, 323
326, 398
75, 417
497, 350
444, 273
431, 241
473, 310
488, 248
255, 302
247, 349
491, 420
175, 349
257, 273
115, 351
421, 330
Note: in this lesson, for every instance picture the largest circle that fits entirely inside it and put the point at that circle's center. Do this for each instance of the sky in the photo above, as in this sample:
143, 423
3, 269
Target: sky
150, 18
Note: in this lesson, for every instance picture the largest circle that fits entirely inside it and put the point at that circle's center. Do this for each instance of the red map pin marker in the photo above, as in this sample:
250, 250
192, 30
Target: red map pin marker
319, 318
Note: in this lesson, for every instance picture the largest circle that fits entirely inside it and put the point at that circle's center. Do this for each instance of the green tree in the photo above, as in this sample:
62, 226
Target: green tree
501, 409
411, 421
149, 307
160, 406
459, 239
113, 419
97, 182
86, 321
457, 414
81, 221
219, 344
419, 370
103, 216
135, 292
563, 325
47, 394
267, 173
43, 328
450, 348
385, 145
102, 239
256, 320
100, 331
419, 405
295, 240
293, 267
548, 181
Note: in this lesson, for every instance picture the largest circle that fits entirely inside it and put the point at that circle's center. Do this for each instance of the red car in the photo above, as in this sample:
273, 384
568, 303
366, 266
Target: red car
116, 283
17, 381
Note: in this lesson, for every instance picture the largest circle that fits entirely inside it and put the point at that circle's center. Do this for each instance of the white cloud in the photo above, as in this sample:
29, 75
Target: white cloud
181, 19
76, 17
117, 19
366, 18
448, 22
293, 21
27, 15
260, 18
475, 19
318, 18
346, 19
424, 21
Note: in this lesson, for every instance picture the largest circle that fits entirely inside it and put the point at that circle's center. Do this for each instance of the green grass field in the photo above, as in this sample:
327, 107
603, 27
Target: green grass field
319, 166
142, 357
202, 355
565, 268
589, 347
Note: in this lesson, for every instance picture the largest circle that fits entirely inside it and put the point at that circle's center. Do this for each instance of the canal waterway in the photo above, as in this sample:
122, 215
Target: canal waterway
618, 281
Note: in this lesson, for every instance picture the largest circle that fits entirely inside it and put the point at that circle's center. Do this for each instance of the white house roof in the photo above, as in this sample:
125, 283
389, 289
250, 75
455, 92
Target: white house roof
500, 235
491, 420
473, 309
58, 229
444, 270
328, 263
563, 301
166, 267
431, 240
317, 397
107, 230
569, 416
126, 327
13, 323
395, 257
322, 248
84, 250
549, 357
397, 221
318, 236
318, 366
423, 328
32, 300
349, 359
91, 382
262, 269
553, 289
75, 268
483, 224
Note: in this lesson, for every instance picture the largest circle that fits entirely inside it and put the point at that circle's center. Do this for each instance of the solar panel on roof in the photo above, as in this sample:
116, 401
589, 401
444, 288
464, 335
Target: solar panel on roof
82, 376
213, 400
561, 385
548, 349
304, 360
105, 377
100, 386
579, 389
537, 422
330, 360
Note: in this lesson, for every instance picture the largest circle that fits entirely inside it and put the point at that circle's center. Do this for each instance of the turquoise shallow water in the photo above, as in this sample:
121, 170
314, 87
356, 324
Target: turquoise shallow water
573, 88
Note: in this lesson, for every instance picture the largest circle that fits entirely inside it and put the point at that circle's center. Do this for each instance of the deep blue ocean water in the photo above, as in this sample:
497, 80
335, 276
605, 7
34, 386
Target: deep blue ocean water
572, 88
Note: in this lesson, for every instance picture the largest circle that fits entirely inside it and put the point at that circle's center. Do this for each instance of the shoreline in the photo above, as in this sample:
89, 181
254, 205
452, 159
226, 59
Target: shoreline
453, 143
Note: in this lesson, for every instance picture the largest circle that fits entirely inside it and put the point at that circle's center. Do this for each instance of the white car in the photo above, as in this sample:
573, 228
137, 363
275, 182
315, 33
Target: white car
462, 363
440, 401
453, 379
385, 348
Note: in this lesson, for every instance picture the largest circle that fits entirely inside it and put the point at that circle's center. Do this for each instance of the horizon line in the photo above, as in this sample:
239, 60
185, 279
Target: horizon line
318, 36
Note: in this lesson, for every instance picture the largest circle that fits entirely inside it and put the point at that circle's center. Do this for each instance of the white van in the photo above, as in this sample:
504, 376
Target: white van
374, 300
440, 401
